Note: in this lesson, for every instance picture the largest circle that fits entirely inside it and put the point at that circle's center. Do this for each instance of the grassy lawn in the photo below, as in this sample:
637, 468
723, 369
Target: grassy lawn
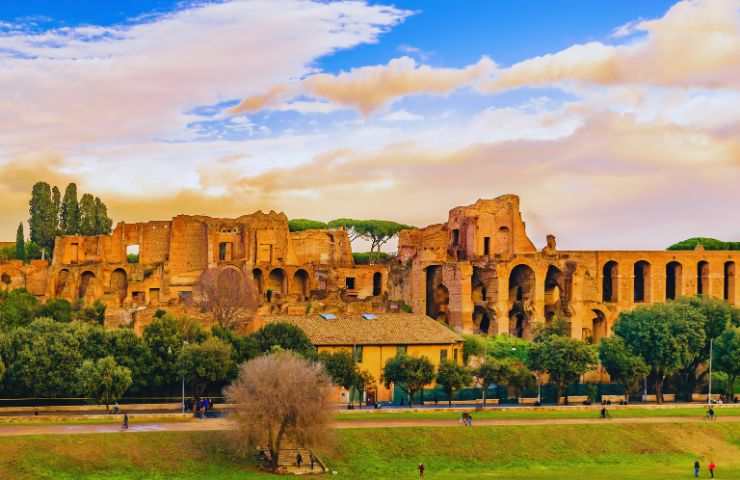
627, 452
91, 419
541, 413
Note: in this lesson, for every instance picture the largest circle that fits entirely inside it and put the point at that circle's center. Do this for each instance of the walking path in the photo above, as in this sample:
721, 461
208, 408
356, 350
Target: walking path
222, 424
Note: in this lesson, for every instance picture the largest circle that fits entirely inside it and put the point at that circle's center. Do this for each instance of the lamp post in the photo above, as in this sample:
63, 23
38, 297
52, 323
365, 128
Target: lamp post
184, 344
709, 397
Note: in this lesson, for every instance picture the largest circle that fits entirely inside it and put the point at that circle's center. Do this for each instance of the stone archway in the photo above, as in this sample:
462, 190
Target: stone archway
521, 300
642, 282
610, 282
702, 278
673, 280
119, 284
276, 282
300, 284
729, 282
483, 319
87, 285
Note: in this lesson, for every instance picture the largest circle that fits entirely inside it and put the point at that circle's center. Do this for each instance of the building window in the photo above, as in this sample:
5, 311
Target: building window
349, 283
486, 246
442, 356
357, 353
455, 237
402, 350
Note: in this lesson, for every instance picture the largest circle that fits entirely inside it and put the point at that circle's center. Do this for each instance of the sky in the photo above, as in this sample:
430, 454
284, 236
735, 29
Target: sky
617, 123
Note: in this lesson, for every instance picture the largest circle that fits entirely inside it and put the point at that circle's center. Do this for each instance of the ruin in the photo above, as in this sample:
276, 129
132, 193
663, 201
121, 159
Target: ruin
479, 272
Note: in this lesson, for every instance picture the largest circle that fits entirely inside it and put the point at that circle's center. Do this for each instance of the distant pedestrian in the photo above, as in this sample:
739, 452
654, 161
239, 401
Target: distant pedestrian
470, 420
697, 467
125, 421
312, 459
298, 460
421, 470
711, 468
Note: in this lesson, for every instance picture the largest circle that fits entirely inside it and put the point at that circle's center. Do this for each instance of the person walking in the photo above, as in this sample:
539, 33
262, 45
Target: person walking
697, 467
421, 470
711, 468
298, 460
125, 421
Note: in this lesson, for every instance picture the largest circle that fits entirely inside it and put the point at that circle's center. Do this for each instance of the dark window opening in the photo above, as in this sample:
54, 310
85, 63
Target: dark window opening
377, 284
442, 356
349, 283
225, 251
672, 280
702, 278
486, 246
609, 282
729, 282
455, 237
642, 282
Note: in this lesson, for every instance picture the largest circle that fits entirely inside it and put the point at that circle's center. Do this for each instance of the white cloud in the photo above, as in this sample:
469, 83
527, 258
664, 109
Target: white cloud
401, 116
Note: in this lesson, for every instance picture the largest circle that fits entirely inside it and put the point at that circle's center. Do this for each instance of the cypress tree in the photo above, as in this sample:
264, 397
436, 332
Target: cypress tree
41, 222
56, 201
88, 216
70, 212
20, 244
103, 222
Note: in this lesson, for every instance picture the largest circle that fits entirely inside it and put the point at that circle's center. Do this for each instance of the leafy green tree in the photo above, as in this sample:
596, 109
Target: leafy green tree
104, 380
621, 364
377, 232
243, 348
164, 343
130, 351
43, 359
410, 374
452, 378
190, 329
69, 216
286, 337
20, 244
707, 243
56, 308
94, 313
33, 251
716, 316
564, 359
41, 222
558, 326
103, 223
17, 308
493, 371
204, 364
301, 224
727, 356
56, 203
341, 368
88, 215
664, 335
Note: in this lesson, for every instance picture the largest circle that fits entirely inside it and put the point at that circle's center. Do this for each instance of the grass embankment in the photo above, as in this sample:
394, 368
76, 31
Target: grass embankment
541, 413
92, 419
627, 452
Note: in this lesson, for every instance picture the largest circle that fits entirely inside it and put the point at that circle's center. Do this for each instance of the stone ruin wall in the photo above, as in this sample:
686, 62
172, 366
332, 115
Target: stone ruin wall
478, 272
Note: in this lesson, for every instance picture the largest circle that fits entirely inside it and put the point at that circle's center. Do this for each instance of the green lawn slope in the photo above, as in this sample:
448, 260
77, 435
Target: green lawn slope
604, 451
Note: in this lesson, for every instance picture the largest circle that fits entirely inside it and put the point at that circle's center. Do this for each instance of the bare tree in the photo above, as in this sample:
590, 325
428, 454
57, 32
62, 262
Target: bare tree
228, 295
281, 399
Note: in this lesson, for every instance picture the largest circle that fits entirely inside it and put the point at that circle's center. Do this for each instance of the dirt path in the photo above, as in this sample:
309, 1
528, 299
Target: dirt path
221, 424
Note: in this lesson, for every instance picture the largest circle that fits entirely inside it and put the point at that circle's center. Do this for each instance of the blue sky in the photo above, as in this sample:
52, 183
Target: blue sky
589, 111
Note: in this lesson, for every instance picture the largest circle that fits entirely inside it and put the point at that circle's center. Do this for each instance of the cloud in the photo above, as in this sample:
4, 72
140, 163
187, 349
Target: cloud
401, 116
371, 87
696, 43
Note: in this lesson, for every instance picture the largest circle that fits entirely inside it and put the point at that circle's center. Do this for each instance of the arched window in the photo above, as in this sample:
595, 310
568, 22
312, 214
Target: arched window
673, 280
610, 282
729, 282
702, 278
642, 282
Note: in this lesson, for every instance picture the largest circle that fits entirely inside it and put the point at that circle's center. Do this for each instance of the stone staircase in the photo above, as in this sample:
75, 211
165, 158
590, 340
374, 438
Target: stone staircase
287, 463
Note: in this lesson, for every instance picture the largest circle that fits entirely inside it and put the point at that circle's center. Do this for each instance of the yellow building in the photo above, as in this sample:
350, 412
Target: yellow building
376, 338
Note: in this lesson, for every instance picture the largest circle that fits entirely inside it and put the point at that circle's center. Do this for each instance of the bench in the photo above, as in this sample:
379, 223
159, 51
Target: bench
614, 398
575, 399
527, 400
667, 397
704, 397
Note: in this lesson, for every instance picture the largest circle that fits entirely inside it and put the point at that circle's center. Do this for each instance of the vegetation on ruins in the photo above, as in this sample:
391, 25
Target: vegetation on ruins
410, 374
706, 242
452, 378
104, 380
230, 297
20, 244
281, 399
365, 258
377, 232
301, 224
42, 221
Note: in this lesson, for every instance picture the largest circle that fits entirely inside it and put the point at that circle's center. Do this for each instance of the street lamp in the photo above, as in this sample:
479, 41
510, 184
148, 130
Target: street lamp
709, 398
184, 344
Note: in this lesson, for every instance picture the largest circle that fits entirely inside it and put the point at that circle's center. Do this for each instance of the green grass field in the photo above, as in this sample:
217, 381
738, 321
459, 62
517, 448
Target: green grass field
627, 452
541, 413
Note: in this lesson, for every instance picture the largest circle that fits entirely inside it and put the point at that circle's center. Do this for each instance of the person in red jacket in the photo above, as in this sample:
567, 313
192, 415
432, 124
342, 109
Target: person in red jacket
711, 468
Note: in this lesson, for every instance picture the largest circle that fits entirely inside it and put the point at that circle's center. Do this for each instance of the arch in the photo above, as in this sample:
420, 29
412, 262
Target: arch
702, 278
521, 300
729, 282
119, 284
554, 292
276, 281
478, 291
300, 284
61, 282
87, 284
433, 278
642, 283
482, 319
673, 280
258, 280
598, 326
610, 282
377, 284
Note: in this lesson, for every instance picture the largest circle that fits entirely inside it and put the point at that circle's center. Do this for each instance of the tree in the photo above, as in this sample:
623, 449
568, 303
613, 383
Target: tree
88, 215
558, 326
493, 371
203, 364
377, 232
564, 359
228, 295
56, 203
281, 399
243, 348
190, 329
341, 368
410, 374
301, 224
164, 343
716, 316
41, 222
56, 308
17, 308
20, 244
707, 243
130, 351
103, 223
285, 336
727, 357
104, 380
664, 335
69, 217
453, 377
621, 364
